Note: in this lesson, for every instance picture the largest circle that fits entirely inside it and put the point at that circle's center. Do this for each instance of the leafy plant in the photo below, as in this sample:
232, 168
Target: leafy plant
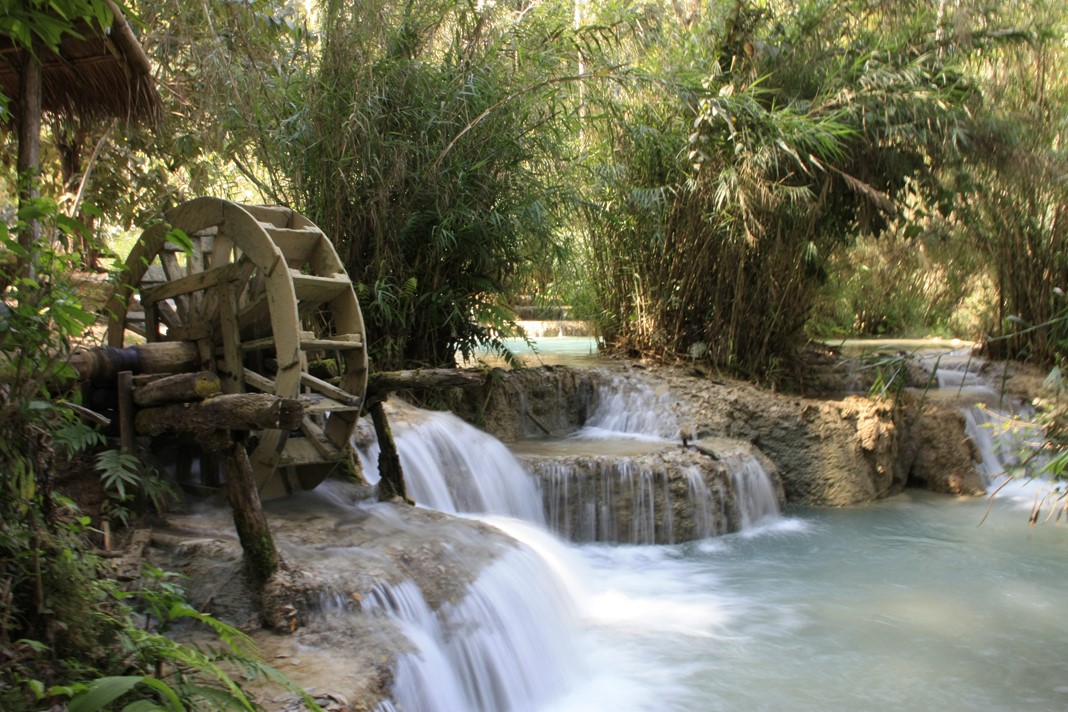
128, 484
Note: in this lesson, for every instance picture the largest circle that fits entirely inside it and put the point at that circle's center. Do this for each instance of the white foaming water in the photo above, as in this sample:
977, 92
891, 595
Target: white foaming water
754, 491
505, 646
453, 467
1006, 441
585, 499
625, 405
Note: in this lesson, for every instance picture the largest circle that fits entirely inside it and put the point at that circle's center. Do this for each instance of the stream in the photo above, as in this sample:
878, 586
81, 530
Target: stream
920, 601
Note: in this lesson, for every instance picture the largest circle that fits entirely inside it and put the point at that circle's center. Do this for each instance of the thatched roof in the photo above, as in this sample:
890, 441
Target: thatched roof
92, 75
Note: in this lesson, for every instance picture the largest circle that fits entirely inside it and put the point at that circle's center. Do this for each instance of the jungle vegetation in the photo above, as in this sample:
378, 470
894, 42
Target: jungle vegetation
718, 181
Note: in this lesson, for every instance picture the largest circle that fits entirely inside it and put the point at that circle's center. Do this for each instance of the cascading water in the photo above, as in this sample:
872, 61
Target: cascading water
504, 646
452, 467
509, 644
610, 500
755, 496
695, 627
624, 405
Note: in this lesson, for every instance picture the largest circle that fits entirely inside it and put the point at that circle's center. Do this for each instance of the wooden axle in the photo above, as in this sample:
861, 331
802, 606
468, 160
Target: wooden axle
104, 363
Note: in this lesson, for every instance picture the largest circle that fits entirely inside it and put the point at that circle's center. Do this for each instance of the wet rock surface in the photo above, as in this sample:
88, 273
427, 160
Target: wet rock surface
310, 622
833, 451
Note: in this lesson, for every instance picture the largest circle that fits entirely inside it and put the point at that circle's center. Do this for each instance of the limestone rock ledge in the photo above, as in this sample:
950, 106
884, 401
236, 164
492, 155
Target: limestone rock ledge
313, 625
828, 451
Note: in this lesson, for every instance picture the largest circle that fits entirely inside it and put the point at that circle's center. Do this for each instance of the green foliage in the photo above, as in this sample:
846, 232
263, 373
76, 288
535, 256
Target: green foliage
161, 673
129, 485
726, 183
428, 149
33, 23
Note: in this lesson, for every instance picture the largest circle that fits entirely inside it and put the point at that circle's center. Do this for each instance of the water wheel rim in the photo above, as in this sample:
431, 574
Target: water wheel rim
239, 236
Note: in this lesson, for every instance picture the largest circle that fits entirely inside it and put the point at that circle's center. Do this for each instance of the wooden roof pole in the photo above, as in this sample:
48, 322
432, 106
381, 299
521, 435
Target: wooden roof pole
29, 155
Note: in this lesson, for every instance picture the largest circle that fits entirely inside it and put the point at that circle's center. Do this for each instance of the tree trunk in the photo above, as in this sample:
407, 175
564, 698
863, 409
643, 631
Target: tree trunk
380, 384
104, 362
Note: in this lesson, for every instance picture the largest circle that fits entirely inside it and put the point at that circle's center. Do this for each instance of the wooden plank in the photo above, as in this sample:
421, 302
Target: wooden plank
324, 259
175, 271
154, 275
133, 272
296, 244
258, 381
308, 342
313, 288
341, 342
195, 265
274, 215
234, 372
254, 314
151, 323
197, 214
190, 332
196, 281
313, 433
305, 451
315, 403
248, 234
329, 389
166, 314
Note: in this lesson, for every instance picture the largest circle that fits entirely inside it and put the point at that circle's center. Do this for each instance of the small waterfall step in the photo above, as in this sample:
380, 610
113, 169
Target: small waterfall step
642, 492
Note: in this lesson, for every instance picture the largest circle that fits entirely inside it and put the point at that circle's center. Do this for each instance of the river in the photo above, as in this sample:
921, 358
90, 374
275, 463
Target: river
909, 603
920, 601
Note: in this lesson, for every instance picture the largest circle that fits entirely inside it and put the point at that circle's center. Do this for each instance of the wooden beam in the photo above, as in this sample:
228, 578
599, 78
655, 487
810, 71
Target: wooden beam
103, 363
179, 388
382, 383
197, 281
238, 411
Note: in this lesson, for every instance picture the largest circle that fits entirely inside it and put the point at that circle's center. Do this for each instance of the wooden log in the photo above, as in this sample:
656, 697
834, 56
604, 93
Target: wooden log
103, 363
238, 411
382, 383
179, 388
261, 556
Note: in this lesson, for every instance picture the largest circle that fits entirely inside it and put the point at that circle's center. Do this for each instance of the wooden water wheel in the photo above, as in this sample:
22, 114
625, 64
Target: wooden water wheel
268, 304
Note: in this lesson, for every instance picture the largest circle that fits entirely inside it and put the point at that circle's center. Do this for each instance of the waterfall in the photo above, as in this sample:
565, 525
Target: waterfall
618, 500
508, 643
654, 499
626, 406
453, 467
504, 646
754, 491
1006, 442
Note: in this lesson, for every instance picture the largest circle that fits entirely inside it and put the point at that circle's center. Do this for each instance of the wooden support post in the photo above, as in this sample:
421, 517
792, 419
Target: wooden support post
28, 163
127, 433
391, 484
261, 556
